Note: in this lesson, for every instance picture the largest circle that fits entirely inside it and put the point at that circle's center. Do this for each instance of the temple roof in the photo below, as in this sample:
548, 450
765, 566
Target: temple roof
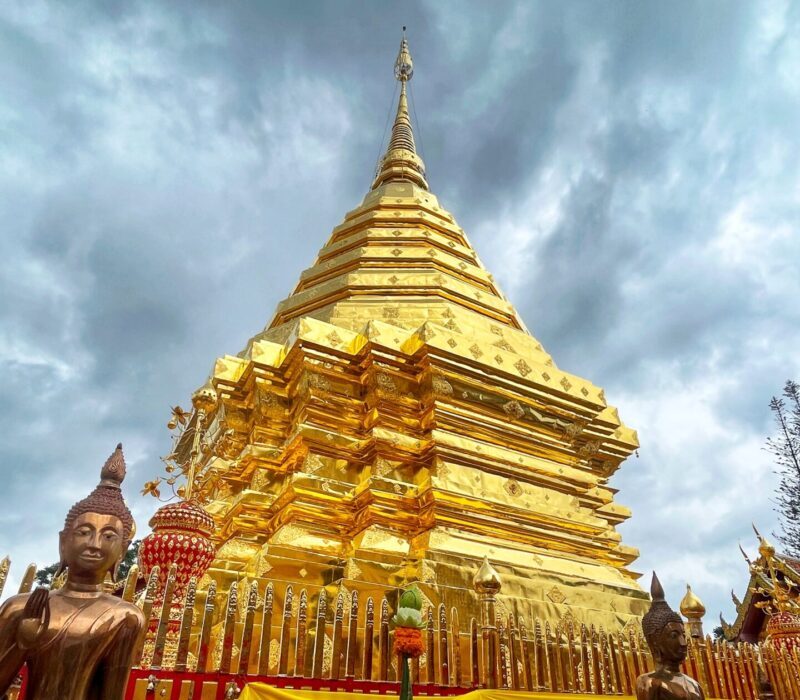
751, 618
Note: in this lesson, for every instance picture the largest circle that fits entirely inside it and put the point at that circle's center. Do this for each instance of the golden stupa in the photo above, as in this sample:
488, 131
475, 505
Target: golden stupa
397, 422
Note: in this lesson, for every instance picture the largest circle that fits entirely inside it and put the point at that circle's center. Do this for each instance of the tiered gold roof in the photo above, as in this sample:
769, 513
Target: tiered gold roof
396, 421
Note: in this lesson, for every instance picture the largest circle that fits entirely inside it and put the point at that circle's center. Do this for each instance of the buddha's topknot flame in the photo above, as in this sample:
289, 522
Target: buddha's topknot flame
106, 499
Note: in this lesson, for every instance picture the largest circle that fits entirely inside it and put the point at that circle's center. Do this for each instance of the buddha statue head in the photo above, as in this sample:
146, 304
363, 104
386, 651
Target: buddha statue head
664, 630
98, 529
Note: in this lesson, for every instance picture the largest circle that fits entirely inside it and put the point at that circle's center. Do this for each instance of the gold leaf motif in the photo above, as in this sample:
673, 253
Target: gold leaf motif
503, 344
274, 650
498, 359
394, 279
452, 326
260, 479
333, 338
383, 467
303, 572
288, 534
568, 621
426, 334
556, 595
476, 351
397, 252
264, 567
513, 408
584, 391
589, 448
427, 573
452, 343
512, 487
269, 402
374, 538
387, 384
312, 463
391, 313
352, 570
565, 383
632, 626
572, 430
523, 368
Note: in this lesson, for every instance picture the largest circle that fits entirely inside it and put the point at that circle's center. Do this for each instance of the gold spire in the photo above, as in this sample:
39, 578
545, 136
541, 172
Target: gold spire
401, 161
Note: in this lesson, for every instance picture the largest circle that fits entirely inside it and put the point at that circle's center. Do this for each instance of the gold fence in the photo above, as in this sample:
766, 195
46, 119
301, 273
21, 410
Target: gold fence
275, 631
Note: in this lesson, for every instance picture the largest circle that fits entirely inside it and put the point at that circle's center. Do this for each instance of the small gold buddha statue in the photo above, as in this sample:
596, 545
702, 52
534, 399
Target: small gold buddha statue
666, 636
78, 641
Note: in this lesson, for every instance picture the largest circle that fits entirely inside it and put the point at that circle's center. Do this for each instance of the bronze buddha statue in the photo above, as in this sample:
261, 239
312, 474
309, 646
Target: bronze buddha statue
78, 641
666, 636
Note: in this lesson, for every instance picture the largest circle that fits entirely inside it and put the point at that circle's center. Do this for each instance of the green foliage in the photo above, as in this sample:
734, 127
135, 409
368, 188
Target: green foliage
44, 577
785, 447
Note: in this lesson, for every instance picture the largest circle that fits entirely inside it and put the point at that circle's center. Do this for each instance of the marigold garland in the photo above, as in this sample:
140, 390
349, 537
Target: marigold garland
408, 641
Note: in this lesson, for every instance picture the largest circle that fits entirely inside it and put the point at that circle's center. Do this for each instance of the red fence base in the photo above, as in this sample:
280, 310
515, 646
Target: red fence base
223, 680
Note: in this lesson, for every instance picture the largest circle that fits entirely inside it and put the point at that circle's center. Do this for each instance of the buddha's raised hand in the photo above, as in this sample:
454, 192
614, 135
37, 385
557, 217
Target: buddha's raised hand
35, 619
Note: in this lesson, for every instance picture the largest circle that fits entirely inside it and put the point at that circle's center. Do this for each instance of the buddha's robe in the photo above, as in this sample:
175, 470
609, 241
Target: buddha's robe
663, 685
85, 654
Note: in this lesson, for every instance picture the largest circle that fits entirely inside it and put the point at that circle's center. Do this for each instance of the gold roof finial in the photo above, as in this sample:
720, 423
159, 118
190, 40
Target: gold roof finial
401, 161
765, 547
772, 581
404, 66
486, 579
691, 606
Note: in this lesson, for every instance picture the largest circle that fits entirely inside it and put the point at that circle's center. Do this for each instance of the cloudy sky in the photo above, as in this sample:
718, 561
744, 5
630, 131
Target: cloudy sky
627, 170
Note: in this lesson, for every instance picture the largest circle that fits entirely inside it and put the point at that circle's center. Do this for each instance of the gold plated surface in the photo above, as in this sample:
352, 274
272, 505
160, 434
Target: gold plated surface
396, 422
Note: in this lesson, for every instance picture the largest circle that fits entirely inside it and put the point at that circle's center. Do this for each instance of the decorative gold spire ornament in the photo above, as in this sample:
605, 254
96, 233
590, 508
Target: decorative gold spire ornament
693, 610
777, 593
401, 161
78, 642
396, 422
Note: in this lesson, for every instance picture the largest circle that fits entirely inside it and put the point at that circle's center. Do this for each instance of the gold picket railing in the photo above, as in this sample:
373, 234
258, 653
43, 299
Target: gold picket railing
276, 631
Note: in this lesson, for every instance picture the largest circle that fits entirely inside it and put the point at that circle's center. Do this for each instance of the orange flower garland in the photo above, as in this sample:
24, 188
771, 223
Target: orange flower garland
408, 641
